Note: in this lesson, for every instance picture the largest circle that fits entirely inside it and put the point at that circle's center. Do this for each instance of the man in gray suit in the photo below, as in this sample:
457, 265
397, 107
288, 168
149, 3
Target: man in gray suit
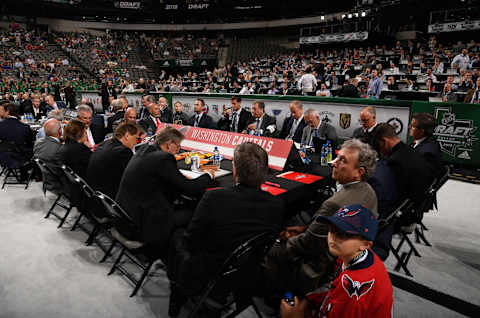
317, 128
301, 262
47, 149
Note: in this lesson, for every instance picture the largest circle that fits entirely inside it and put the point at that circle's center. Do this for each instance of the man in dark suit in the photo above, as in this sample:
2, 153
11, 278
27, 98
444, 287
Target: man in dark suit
150, 124
25, 103
240, 117
317, 128
293, 126
147, 100
107, 91
95, 133
36, 109
52, 104
368, 119
150, 185
179, 117
12, 130
211, 237
110, 158
119, 114
166, 115
350, 90
421, 129
75, 153
261, 123
200, 119
413, 173
47, 149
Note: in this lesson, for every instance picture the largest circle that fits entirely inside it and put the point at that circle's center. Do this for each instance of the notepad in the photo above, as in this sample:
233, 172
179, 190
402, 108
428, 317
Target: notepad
194, 174
272, 190
300, 177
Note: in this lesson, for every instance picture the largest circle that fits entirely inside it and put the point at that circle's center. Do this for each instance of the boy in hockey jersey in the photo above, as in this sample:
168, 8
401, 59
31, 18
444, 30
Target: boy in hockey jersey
361, 287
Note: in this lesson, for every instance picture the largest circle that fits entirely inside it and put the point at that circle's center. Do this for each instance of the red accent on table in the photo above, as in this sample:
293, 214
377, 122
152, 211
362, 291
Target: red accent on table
301, 177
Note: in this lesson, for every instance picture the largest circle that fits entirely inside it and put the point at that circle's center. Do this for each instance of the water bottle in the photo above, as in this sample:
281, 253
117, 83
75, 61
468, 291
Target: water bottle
329, 151
303, 153
216, 157
149, 132
323, 155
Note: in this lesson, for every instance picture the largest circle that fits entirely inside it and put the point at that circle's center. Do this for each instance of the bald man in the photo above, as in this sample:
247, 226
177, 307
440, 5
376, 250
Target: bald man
47, 149
368, 120
130, 115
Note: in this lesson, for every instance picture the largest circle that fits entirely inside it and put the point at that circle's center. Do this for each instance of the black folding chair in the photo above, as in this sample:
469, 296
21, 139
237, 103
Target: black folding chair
13, 159
243, 263
59, 190
129, 248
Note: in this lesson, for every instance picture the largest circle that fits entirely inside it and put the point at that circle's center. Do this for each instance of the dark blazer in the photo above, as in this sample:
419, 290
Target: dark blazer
42, 111
106, 166
180, 118
60, 105
150, 184
366, 137
98, 132
147, 123
12, 129
287, 125
205, 121
115, 117
105, 94
413, 173
27, 103
244, 120
166, 115
211, 235
430, 149
267, 120
76, 156
349, 90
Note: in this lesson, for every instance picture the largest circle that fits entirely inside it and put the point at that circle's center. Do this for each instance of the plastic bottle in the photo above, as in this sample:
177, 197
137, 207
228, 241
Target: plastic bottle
149, 132
323, 155
216, 157
303, 153
329, 152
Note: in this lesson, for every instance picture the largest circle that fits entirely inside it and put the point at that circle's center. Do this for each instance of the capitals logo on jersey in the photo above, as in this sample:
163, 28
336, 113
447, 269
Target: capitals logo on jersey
355, 287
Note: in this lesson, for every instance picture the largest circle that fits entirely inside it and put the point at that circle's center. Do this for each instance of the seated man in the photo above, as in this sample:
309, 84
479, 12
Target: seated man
361, 286
211, 237
261, 124
421, 129
166, 115
55, 114
151, 123
149, 186
75, 153
412, 172
95, 133
119, 113
179, 117
110, 158
47, 149
36, 109
368, 119
317, 128
200, 119
52, 104
302, 262
293, 126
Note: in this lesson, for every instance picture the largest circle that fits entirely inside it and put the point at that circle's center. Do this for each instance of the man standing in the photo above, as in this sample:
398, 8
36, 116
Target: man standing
200, 119
94, 133
179, 117
308, 245
461, 61
240, 118
307, 84
150, 185
69, 95
108, 91
166, 115
109, 160
375, 86
368, 119
263, 124
317, 128
150, 124
293, 126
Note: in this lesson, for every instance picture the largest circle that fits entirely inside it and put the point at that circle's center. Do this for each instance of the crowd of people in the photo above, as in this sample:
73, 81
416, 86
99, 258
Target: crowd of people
334, 260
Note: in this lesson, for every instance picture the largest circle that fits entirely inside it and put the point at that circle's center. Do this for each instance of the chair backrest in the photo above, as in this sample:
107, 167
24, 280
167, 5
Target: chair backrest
75, 179
114, 209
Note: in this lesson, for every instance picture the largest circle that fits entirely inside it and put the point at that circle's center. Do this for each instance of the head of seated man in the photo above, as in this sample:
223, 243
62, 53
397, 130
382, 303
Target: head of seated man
368, 117
75, 131
53, 128
127, 134
355, 162
130, 115
422, 126
169, 140
250, 165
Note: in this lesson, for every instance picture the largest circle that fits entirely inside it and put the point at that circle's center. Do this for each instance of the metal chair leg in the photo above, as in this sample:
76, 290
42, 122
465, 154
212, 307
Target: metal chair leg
144, 275
112, 270
92, 235
53, 206
65, 216
108, 252
77, 221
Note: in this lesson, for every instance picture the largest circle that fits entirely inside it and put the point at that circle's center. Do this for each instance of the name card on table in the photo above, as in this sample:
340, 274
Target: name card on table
204, 139
300, 177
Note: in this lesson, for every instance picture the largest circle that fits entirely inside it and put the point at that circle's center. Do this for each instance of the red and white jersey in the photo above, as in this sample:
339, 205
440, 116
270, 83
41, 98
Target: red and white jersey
362, 290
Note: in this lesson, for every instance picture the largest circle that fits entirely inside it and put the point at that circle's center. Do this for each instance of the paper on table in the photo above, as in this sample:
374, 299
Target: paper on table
194, 174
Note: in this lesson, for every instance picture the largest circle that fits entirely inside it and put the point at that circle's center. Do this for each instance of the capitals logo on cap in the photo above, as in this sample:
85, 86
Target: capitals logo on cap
346, 212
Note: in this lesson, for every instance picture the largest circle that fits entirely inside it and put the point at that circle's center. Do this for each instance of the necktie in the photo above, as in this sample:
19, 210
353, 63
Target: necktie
197, 119
233, 126
292, 129
314, 135
257, 124
157, 121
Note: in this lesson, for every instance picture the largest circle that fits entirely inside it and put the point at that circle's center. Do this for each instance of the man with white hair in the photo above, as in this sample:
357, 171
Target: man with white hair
52, 104
117, 117
317, 128
94, 133
56, 114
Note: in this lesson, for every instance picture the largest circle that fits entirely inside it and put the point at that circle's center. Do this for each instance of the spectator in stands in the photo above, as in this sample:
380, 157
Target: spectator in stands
331, 81
293, 125
430, 86
110, 158
94, 133
165, 111
69, 95
108, 90
262, 124
447, 94
473, 96
47, 149
154, 168
392, 85
323, 91
350, 90
317, 128
307, 83
350, 237
422, 127
75, 153
200, 119
368, 120
210, 237
247, 89
461, 61
375, 86
308, 245
466, 82
179, 117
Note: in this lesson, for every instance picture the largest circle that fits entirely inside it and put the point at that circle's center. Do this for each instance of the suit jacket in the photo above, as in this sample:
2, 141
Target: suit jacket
27, 103
106, 166
211, 236
11, 129
60, 105
287, 125
430, 149
98, 132
205, 121
111, 120
245, 118
48, 149
311, 246
105, 94
366, 137
349, 90
150, 184
267, 120
42, 111
147, 123
166, 115
325, 131
180, 118
76, 156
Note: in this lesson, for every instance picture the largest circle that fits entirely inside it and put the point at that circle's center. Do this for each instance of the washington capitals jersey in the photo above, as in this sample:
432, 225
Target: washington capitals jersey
362, 290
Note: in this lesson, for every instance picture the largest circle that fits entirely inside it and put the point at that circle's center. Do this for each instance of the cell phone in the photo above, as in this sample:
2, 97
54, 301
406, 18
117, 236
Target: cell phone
289, 299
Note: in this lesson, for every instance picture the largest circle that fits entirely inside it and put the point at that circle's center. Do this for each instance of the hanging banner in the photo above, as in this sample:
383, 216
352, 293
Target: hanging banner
335, 37
454, 26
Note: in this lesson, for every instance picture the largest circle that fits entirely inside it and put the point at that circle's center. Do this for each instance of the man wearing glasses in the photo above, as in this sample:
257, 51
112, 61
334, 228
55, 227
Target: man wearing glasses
150, 185
368, 120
